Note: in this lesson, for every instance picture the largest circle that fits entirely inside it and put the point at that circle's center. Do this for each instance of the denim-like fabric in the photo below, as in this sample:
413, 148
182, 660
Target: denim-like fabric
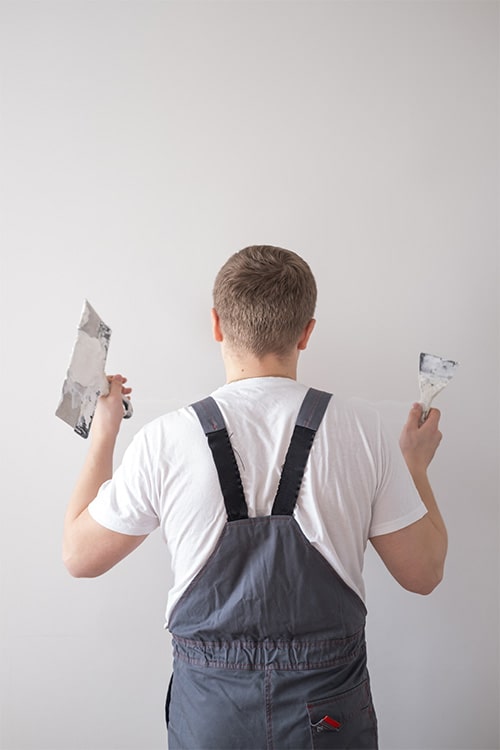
265, 639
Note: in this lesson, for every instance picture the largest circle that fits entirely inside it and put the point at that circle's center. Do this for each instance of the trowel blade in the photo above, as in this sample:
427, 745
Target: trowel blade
86, 378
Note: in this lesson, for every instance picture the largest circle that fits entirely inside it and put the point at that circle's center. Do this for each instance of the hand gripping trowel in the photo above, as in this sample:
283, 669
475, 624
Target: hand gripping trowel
434, 374
86, 378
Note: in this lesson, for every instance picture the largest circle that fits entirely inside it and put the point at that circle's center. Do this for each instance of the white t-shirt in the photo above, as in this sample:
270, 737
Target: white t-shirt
356, 484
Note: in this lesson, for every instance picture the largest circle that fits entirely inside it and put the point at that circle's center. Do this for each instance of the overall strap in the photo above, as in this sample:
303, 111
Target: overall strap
308, 420
214, 428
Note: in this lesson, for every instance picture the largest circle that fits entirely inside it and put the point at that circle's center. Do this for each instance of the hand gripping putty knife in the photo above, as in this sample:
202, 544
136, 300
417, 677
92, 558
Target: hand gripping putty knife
434, 374
86, 377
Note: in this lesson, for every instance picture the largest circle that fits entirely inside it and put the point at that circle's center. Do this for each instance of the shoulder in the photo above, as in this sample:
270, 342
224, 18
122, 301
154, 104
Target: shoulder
165, 422
354, 417
385, 419
162, 434
367, 430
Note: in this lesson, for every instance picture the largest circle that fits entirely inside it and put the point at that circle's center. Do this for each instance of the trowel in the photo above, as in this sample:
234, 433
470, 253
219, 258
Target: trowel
434, 374
86, 377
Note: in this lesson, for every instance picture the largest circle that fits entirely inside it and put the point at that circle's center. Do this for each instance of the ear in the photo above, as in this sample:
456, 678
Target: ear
306, 335
216, 325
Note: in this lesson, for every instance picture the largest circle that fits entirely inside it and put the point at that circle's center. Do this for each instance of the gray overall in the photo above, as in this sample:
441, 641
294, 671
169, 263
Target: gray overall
268, 641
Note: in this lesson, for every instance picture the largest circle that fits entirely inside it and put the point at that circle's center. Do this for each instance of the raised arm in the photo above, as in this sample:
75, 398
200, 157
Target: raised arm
89, 549
415, 555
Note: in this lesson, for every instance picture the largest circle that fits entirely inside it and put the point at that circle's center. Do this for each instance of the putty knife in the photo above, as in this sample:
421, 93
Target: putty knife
86, 377
434, 374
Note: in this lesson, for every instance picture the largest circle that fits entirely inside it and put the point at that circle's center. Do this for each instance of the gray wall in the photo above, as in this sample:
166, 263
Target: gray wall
141, 144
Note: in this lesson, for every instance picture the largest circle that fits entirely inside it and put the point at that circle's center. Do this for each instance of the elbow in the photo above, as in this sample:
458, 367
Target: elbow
70, 560
76, 555
75, 567
425, 588
425, 583
78, 565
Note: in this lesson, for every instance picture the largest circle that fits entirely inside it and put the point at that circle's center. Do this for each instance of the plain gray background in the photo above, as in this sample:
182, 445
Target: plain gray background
141, 144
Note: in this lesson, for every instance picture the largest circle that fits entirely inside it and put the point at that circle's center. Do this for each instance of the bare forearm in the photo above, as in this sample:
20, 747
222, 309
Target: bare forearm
90, 549
437, 534
98, 466
97, 469
419, 442
424, 489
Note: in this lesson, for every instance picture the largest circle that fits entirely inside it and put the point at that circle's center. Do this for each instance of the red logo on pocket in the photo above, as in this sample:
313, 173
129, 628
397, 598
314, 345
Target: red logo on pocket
328, 723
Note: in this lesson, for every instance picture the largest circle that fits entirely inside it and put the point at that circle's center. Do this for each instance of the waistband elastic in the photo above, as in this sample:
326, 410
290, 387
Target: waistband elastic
269, 654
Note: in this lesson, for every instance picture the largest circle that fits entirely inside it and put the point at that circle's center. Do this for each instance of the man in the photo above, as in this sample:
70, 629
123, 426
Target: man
266, 494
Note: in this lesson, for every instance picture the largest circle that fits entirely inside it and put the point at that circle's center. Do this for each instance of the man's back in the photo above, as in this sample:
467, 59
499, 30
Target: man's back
355, 484
268, 641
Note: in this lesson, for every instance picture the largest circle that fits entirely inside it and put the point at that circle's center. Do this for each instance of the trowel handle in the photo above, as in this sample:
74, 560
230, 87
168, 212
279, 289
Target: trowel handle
128, 409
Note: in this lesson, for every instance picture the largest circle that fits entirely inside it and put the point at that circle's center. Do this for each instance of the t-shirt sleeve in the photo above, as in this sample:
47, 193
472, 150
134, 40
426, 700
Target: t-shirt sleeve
397, 503
126, 503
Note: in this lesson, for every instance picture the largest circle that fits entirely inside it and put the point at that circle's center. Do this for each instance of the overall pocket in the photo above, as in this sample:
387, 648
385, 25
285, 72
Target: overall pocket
345, 721
168, 699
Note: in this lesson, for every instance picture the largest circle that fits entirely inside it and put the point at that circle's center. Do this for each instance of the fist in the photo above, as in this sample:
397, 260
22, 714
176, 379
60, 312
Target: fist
109, 411
419, 442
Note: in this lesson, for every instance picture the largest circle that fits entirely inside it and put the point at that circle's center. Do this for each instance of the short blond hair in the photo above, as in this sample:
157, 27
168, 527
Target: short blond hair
264, 297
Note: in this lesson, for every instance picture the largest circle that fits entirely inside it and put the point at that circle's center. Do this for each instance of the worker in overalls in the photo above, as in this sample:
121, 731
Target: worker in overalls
266, 493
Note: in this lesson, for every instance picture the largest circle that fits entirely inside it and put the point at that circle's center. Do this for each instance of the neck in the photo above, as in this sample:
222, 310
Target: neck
240, 366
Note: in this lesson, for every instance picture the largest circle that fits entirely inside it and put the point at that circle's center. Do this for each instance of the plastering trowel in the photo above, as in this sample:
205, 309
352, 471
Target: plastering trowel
434, 374
86, 377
